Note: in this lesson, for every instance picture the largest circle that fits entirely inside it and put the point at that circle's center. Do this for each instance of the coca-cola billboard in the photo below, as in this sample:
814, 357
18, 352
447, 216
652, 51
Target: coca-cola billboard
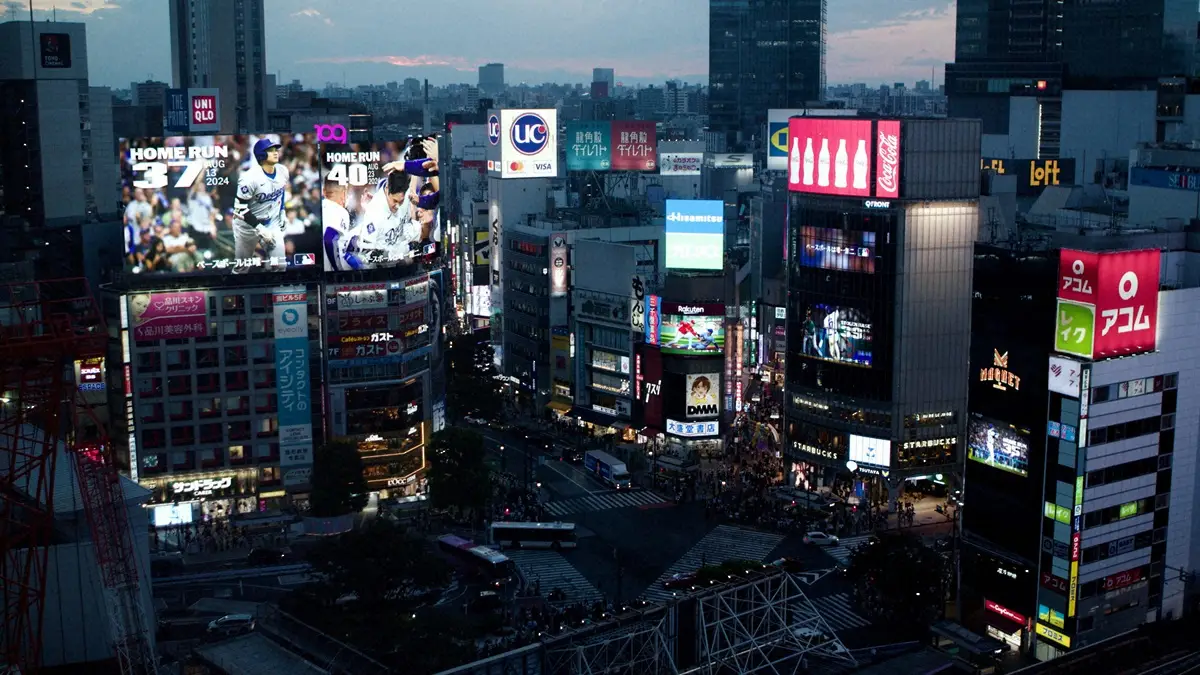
887, 159
844, 157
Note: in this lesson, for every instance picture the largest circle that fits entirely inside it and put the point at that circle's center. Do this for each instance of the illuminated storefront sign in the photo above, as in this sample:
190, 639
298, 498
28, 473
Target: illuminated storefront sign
1003, 611
202, 487
1053, 635
813, 450
998, 373
928, 443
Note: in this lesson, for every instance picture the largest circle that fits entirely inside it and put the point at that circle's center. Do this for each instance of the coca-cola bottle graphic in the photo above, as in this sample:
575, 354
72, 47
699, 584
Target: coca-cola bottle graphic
841, 165
860, 166
809, 161
794, 162
823, 164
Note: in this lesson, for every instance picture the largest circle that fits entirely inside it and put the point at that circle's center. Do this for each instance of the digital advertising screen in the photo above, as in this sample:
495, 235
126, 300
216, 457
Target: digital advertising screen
830, 156
998, 445
634, 146
691, 330
381, 202
870, 451
838, 334
589, 146
220, 204
695, 234
835, 249
703, 395
164, 316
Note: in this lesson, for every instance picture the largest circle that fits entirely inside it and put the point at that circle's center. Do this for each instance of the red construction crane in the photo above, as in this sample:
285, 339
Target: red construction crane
47, 327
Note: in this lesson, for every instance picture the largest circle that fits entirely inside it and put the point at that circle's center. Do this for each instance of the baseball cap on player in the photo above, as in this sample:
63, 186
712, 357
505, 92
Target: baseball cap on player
262, 146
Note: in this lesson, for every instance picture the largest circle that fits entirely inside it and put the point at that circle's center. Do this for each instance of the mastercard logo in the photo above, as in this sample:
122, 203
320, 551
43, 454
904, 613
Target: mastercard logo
516, 166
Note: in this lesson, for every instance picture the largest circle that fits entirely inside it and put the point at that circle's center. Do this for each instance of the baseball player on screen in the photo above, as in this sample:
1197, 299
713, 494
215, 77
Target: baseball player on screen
258, 211
339, 235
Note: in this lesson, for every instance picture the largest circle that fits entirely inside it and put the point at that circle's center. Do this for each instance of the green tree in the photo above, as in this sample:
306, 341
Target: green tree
472, 387
899, 580
458, 475
338, 484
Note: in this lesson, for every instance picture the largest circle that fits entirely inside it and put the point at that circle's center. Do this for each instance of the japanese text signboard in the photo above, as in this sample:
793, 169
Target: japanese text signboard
1108, 303
634, 146
589, 146
159, 316
292, 376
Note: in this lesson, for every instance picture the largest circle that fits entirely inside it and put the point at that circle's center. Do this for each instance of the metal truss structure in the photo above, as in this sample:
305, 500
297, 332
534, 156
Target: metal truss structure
635, 646
767, 625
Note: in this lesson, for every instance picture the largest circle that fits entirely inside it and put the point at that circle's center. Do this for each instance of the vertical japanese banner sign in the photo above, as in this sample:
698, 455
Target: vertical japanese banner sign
293, 385
558, 265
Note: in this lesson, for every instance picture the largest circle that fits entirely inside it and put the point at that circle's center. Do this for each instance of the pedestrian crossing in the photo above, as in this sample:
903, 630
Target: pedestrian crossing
551, 570
725, 542
838, 611
845, 547
604, 501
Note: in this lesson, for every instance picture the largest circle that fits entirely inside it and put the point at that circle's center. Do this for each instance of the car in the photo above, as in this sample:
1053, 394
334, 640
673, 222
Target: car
789, 565
232, 624
265, 556
818, 538
681, 580
475, 421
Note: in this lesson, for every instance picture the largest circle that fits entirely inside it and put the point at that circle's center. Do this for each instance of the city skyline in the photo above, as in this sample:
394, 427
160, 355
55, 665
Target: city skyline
919, 33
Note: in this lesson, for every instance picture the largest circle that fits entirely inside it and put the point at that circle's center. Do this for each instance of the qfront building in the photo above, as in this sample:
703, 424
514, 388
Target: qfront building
879, 254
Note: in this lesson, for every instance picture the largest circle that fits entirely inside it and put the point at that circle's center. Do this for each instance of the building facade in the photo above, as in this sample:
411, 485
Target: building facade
762, 54
222, 44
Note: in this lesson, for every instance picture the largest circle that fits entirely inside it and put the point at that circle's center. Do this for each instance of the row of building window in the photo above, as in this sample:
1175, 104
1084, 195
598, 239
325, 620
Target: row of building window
1112, 514
1110, 549
1132, 388
260, 353
212, 408
212, 458
206, 383
185, 435
1130, 429
1120, 472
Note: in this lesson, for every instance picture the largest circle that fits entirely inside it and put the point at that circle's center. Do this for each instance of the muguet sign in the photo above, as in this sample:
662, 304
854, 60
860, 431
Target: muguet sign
998, 373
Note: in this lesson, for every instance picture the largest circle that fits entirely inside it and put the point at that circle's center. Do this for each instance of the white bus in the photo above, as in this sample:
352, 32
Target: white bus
532, 535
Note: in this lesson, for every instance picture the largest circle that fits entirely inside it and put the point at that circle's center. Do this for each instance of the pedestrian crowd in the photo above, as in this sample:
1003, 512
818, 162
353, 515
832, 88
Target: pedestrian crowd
512, 500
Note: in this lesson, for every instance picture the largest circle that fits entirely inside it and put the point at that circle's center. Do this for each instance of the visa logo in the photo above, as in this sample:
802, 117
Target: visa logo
542, 167
777, 133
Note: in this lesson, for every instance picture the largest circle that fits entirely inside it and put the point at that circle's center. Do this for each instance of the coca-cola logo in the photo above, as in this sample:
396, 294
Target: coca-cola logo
889, 162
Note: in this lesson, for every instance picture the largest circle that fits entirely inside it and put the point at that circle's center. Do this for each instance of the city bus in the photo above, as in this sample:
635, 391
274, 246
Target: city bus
533, 535
481, 560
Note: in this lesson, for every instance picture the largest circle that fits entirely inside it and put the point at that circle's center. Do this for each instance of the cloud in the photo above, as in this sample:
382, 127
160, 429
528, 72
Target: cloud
312, 14
78, 6
905, 48
401, 61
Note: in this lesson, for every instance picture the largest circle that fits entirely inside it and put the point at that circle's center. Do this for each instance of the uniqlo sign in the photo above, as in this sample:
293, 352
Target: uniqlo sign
1122, 290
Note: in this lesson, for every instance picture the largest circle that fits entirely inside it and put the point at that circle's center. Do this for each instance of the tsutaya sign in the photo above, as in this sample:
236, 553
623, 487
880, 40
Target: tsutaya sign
998, 373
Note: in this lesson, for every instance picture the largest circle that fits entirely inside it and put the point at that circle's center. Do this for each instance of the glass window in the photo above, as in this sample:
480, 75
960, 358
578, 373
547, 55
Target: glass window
235, 356
233, 304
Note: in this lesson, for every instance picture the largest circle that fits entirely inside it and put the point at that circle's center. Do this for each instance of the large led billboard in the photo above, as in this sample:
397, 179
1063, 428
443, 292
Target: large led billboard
870, 451
380, 206
836, 249
832, 156
1107, 303
522, 143
998, 445
703, 395
220, 204
589, 146
695, 234
168, 316
838, 334
691, 329
634, 146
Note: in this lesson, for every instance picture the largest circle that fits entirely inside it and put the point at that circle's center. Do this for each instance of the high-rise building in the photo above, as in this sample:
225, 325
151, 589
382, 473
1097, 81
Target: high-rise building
491, 78
762, 54
149, 93
222, 44
58, 130
605, 75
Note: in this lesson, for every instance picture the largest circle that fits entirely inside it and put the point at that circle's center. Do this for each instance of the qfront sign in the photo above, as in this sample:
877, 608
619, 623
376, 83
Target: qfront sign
1107, 303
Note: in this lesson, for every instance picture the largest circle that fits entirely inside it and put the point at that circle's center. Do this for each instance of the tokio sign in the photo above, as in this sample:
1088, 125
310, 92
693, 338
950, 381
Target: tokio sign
1003, 611
1107, 303
998, 373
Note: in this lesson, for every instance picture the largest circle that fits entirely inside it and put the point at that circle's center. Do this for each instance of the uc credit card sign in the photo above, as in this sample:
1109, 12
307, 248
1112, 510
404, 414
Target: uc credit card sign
695, 231
523, 143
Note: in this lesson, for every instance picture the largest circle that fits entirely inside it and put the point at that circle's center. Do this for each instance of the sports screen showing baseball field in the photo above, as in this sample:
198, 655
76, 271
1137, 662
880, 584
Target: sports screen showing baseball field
220, 204
381, 204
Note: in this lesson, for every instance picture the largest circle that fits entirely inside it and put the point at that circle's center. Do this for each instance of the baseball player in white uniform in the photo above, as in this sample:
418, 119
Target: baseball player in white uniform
258, 212
339, 235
